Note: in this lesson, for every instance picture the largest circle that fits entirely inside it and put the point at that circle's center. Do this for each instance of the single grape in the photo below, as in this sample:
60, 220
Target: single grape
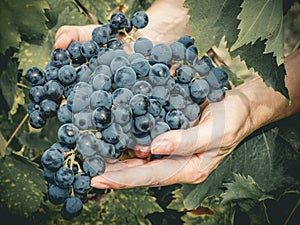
100, 98
87, 144
35, 76
201, 66
176, 120
143, 46
160, 127
121, 114
102, 117
141, 67
118, 62
53, 90
57, 195
143, 139
184, 74
102, 69
64, 177
72, 207
51, 73
89, 48
60, 57
67, 75
115, 44
142, 87
139, 19
125, 77
81, 183
217, 78
94, 165
144, 123
155, 107
107, 150
121, 96
178, 51
191, 111
48, 108
102, 34
135, 55
161, 93
176, 102
36, 93
186, 40
161, 53
74, 49
139, 104
67, 134
199, 88
61, 147
190, 54
36, 119
112, 133
159, 74
49, 175
216, 95
83, 119
118, 20
52, 159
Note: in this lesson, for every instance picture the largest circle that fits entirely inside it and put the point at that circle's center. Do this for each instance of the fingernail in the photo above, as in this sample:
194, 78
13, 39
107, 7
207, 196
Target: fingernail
100, 185
161, 147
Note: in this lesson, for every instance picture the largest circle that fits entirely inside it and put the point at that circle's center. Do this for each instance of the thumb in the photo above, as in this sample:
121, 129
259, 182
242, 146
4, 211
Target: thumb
182, 142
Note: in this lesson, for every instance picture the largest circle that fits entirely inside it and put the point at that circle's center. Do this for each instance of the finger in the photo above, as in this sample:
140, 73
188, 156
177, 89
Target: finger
142, 151
161, 172
120, 165
66, 34
207, 135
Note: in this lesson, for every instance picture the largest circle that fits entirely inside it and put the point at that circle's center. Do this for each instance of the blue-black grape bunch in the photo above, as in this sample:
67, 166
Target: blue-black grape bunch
109, 101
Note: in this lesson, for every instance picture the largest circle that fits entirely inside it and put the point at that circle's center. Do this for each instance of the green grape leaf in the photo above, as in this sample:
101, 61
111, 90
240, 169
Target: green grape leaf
8, 82
39, 142
211, 20
255, 21
131, 205
13, 24
9, 36
243, 187
263, 151
33, 11
265, 64
22, 185
275, 44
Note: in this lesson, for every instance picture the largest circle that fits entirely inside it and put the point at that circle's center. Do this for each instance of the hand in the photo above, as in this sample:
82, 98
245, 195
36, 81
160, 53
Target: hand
194, 152
197, 151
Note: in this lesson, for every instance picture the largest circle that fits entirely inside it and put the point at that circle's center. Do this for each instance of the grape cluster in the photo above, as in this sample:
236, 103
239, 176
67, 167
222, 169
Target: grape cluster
109, 101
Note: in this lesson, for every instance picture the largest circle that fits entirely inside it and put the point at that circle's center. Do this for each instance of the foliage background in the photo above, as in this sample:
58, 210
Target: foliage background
257, 184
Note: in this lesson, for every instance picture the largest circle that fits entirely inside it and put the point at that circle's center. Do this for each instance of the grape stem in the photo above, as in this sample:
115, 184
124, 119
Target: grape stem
16, 130
23, 85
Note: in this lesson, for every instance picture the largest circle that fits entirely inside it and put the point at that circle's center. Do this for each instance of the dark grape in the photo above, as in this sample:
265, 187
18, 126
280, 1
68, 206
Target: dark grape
57, 195
52, 159
60, 57
139, 19
35, 76
87, 144
94, 165
64, 177
72, 207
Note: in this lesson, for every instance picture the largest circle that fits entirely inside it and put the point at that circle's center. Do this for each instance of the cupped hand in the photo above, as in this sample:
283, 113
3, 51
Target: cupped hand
192, 154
